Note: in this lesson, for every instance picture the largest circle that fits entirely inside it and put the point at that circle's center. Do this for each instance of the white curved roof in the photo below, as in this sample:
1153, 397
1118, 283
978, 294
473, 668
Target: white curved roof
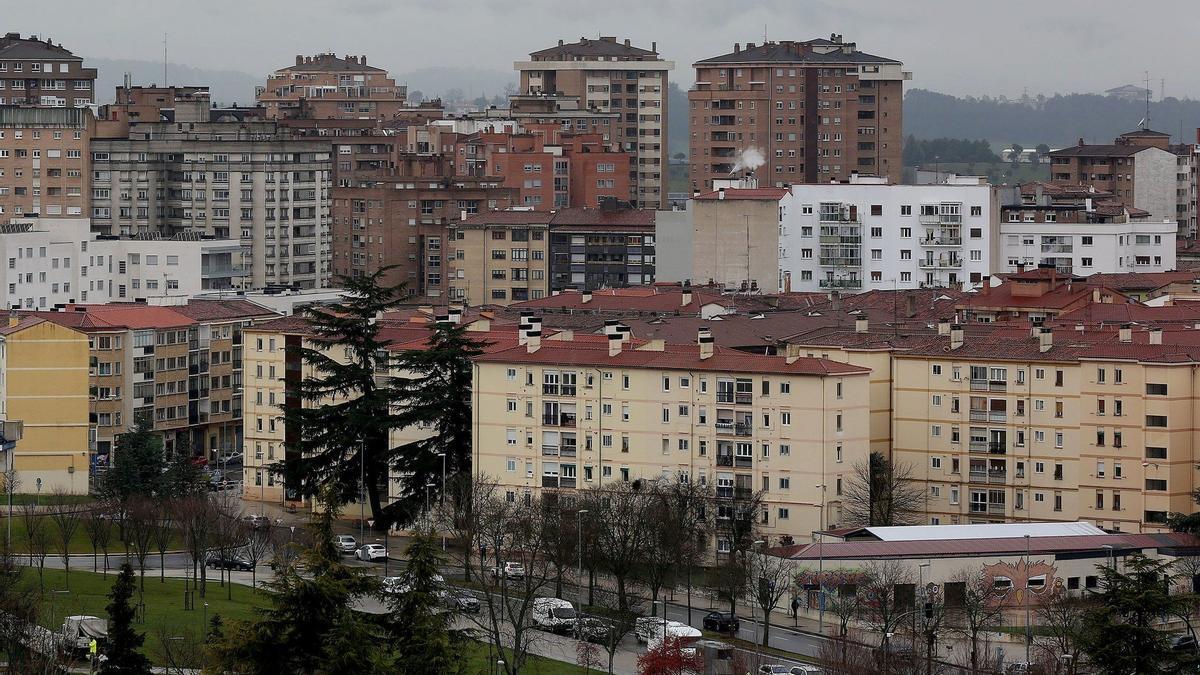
983, 531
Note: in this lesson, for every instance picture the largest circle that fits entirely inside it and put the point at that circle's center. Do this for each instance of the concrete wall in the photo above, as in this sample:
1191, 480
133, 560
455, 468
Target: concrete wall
737, 241
673, 234
1154, 183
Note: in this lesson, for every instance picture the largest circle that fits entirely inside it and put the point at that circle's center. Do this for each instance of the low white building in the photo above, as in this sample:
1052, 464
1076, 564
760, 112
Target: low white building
867, 234
54, 261
1080, 230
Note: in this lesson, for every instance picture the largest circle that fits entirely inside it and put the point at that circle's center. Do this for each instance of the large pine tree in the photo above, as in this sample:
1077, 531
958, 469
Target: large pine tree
349, 412
418, 625
124, 649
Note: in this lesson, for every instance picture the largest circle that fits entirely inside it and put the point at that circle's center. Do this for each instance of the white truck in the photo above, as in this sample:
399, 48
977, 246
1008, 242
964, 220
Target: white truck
650, 631
553, 614
79, 631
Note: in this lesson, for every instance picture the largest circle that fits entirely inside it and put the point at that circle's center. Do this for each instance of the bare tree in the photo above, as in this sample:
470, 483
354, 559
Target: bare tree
37, 537
195, 516
621, 516
737, 531
141, 519
284, 551
97, 524
885, 608
164, 531
461, 522
256, 550
973, 612
770, 579
881, 492
1061, 625
686, 508
228, 533
10, 483
66, 516
846, 603
587, 655
846, 658
180, 654
619, 622
559, 532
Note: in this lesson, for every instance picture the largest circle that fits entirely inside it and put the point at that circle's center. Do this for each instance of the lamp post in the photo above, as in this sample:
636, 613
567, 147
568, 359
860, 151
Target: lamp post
362, 486
54, 593
204, 628
427, 486
921, 588
442, 496
1025, 597
579, 531
757, 643
821, 561
500, 666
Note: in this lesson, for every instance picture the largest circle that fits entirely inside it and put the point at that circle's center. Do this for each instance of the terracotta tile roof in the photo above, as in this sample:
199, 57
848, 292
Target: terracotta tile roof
1002, 297
950, 548
1181, 312
20, 325
673, 357
1141, 281
222, 309
739, 331
509, 218
130, 315
331, 63
293, 324
1061, 189
667, 299
758, 194
1040, 273
582, 217
1110, 150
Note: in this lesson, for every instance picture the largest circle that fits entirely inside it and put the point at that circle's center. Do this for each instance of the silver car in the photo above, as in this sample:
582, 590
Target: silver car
345, 544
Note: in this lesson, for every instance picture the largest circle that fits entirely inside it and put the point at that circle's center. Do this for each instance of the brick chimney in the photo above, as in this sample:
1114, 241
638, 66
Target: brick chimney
704, 339
956, 336
614, 344
1045, 339
1126, 332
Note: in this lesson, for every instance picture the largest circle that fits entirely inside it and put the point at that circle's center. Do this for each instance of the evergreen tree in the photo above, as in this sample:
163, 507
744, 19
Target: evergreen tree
310, 626
417, 624
137, 464
344, 433
1121, 628
123, 651
438, 397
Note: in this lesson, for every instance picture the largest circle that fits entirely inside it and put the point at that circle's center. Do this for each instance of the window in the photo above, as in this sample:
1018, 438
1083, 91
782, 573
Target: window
935, 462
1156, 389
1156, 452
1156, 484
1158, 421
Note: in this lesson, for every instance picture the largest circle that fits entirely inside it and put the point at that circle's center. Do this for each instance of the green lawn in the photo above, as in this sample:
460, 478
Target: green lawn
164, 613
46, 500
482, 661
79, 539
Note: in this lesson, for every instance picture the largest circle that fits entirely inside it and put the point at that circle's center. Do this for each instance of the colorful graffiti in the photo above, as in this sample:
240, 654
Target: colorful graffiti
1014, 582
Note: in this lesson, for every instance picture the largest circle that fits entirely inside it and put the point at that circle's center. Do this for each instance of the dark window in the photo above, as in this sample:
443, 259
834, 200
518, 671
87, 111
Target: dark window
1072, 583
1156, 389
1156, 420
877, 209
1157, 484
1156, 453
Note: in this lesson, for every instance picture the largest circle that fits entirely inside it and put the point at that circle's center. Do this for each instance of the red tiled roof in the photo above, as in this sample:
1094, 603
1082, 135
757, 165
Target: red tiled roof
763, 194
1001, 297
1182, 312
950, 548
672, 357
633, 299
1141, 280
20, 325
589, 217
217, 310
117, 315
295, 324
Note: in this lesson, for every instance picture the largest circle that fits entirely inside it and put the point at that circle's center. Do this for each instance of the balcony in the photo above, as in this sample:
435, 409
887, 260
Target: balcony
940, 218
979, 446
743, 398
942, 241
979, 476
742, 429
560, 420
724, 397
724, 492
941, 263
997, 476
549, 450
997, 447
989, 385
841, 283
567, 450
743, 461
724, 426
841, 260
724, 460
993, 507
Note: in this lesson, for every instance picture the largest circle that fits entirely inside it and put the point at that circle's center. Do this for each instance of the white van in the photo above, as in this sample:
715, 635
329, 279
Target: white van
552, 614
650, 631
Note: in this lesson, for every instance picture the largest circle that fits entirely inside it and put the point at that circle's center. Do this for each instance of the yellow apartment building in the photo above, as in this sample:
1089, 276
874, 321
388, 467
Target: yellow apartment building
1050, 428
582, 411
44, 384
500, 257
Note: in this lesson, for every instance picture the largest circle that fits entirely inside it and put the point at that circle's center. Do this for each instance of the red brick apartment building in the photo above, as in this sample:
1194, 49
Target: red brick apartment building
326, 86
39, 72
816, 111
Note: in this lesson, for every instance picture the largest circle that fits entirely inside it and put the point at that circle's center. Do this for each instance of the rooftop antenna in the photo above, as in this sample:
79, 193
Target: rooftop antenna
164, 59
1146, 119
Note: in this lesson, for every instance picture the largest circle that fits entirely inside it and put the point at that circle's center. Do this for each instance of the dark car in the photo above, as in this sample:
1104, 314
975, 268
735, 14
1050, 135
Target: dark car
221, 561
1182, 642
721, 622
592, 629
461, 601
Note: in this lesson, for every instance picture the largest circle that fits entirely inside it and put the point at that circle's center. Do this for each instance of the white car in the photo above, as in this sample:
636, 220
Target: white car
510, 570
371, 552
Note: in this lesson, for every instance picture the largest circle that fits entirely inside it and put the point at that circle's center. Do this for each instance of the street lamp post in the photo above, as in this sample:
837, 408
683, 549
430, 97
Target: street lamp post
821, 562
1025, 597
442, 496
362, 486
924, 598
757, 642
579, 531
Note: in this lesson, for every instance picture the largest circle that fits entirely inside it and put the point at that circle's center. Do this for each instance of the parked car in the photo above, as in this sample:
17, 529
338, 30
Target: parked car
510, 570
592, 629
227, 561
257, 521
1182, 642
721, 622
371, 552
553, 614
779, 669
804, 669
460, 600
345, 543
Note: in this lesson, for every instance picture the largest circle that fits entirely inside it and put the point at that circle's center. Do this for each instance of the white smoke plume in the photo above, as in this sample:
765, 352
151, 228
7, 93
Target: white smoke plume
749, 159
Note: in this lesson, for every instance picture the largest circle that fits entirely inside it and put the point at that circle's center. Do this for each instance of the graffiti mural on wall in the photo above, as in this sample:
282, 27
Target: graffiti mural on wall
1015, 581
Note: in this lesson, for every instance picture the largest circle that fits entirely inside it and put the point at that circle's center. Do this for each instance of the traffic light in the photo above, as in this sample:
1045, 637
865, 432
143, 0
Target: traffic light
929, 610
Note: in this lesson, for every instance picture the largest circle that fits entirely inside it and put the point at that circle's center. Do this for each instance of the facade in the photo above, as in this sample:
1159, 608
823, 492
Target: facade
1139, 169
59, 261
44, 385
41, 73
606, 247
582, 411
230, 180
45, 163
617, 78
326, 86
1049, 429
736, 237
1080, 231
867, 234
499, 257
406, 222
796, 112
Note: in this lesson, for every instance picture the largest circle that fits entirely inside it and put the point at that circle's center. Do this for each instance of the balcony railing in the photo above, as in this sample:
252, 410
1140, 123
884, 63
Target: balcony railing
724, 460
743, 398
996, 508
549, 450
941, 241
989, 385
724, 426
841, 283
742, 429
979, 446
997, 476
560, 420
743, 461
724, 397
998, 447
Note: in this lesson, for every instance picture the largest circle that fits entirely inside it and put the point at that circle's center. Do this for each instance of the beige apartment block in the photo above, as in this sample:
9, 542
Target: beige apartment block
1030, 429
500, 257
570, 412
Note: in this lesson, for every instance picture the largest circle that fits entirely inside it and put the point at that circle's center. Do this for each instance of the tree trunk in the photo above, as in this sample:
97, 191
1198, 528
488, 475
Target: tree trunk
162, 573
766, 627
95, 560
622, 601
591, 585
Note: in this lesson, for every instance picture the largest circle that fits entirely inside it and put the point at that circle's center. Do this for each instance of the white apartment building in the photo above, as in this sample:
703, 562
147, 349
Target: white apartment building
867, 234
56, 261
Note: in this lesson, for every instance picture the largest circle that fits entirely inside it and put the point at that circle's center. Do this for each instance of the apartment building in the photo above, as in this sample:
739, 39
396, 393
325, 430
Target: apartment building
731, 237
499, 257
1038, 295
327, 86
406, 222
1139, 168
178, 368
617, 78
592, 411
45, 386
45, 165
796, 112
41, 73
606, 247
866, 233
1049, 428
59, 261
243, 180
1080, 230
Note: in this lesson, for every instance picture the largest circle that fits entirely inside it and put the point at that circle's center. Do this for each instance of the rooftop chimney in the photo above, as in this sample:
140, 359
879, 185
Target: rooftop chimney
835, 300
943, 327
860, 325
299, 59
1045, 339
986, 287
956, 336
685, 298
1126, 332
721, 193
610, 327
533, 340
625, 332
614, 344
1156, 336
704, 338
585, 297
737, 47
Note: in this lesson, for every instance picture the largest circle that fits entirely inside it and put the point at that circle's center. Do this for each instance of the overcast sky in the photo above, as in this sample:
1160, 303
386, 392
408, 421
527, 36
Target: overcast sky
955, 46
